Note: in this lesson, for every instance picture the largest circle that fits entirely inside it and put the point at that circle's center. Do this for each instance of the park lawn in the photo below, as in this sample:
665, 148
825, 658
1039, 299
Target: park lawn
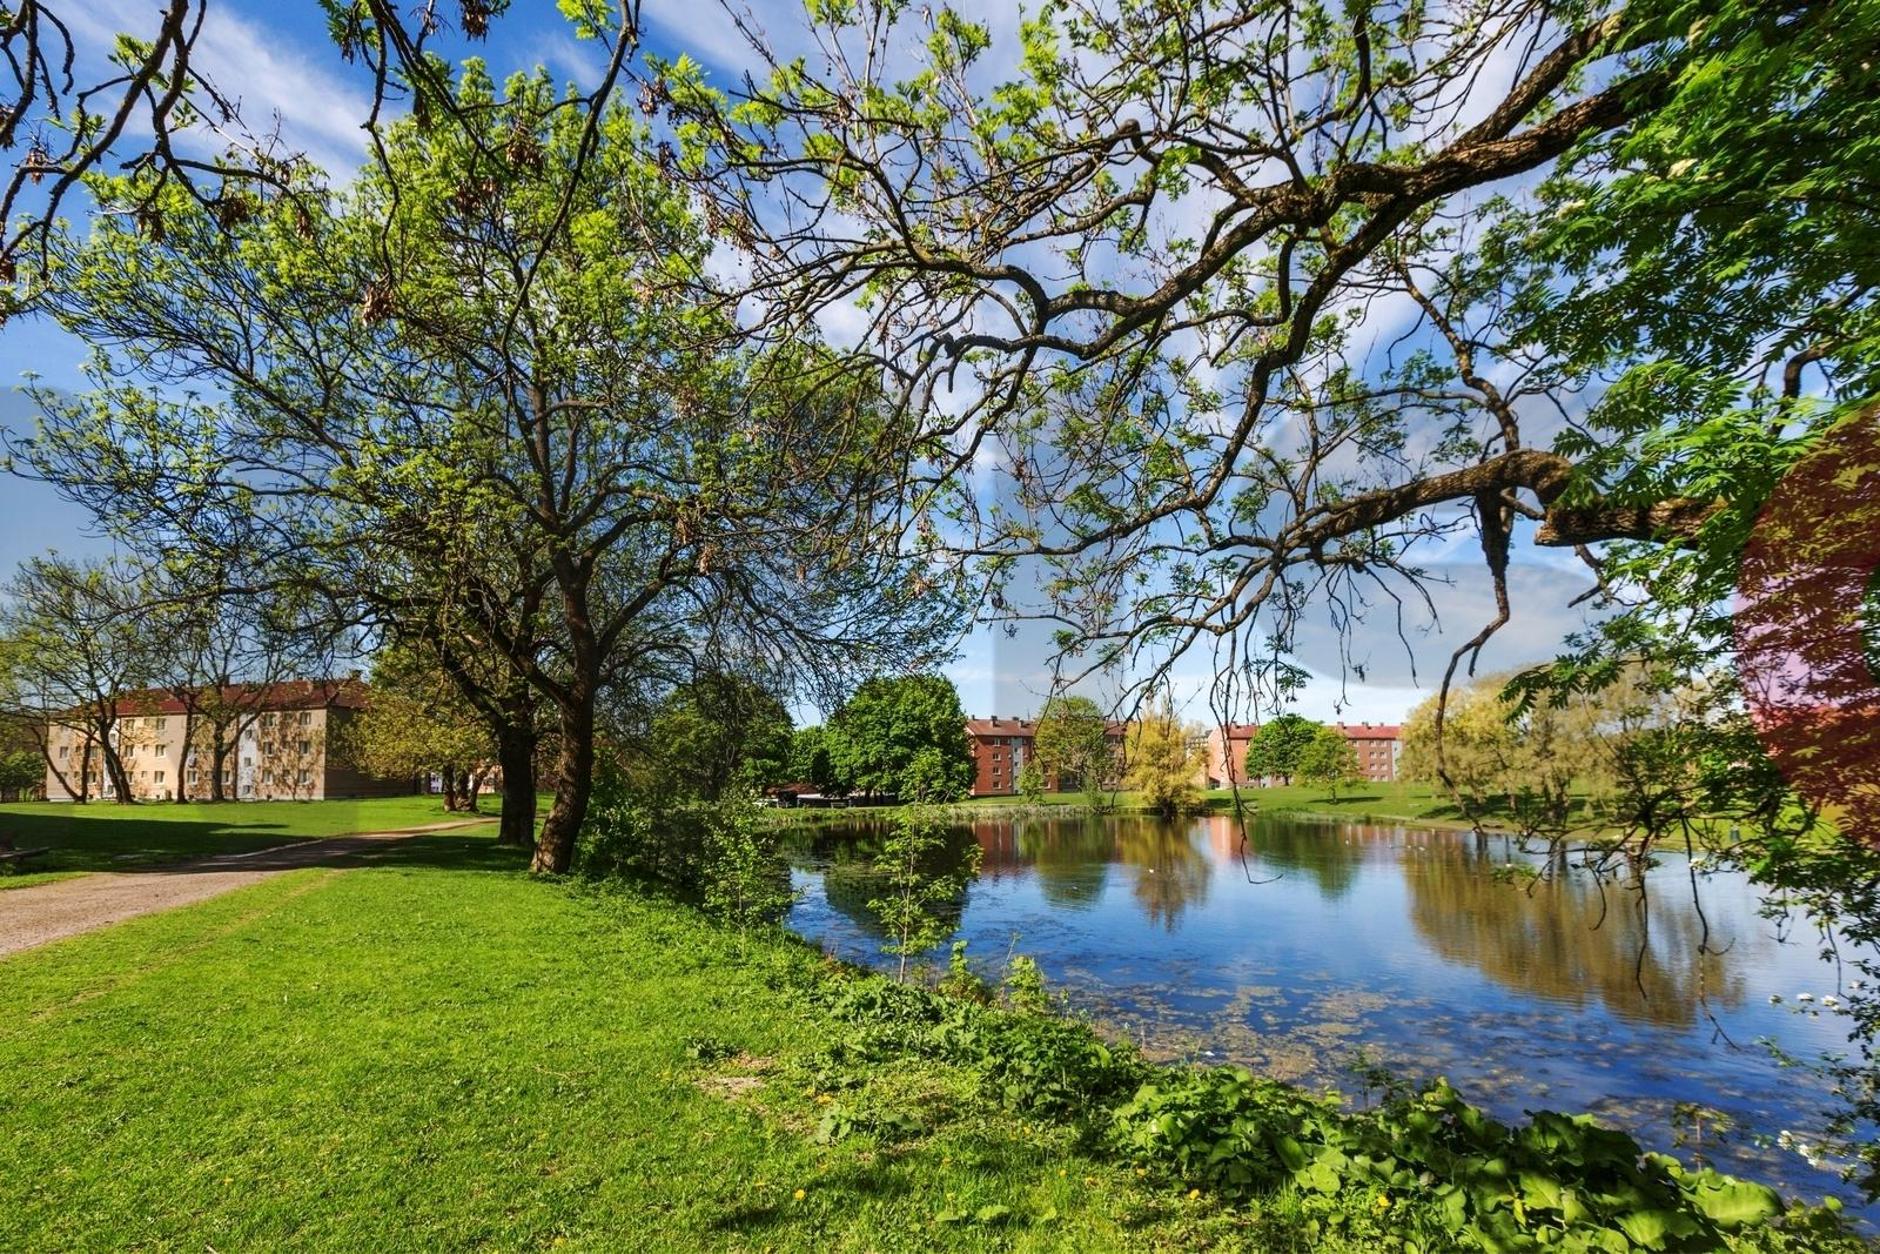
436, 1051
102, 836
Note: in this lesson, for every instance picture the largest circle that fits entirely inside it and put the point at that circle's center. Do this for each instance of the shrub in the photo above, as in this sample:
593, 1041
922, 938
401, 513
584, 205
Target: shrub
746, 882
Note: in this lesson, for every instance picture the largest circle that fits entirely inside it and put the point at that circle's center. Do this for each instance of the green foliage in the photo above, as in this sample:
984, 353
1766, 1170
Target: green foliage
919, 906
717, 734
961, 982
1275, 750
1031, 782
812, 761
1072, 742
904, 738
1024, 986
629, 835
21, 770
1328, 761
746, 880
417, 723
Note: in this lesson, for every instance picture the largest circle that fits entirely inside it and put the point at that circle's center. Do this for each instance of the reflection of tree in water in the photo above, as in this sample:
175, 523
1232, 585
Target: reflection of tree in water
851, 880
1327, 855
1558, 941
1071, 858
1174, 872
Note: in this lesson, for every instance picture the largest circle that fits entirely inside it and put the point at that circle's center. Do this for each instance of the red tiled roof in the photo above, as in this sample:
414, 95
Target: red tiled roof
294, 694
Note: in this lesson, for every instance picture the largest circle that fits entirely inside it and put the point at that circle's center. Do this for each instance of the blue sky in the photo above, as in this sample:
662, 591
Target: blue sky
276, 59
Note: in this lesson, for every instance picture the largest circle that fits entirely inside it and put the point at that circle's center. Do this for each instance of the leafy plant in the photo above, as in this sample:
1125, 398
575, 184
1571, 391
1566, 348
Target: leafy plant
961, 982
1024, 986
917, 908
746, 881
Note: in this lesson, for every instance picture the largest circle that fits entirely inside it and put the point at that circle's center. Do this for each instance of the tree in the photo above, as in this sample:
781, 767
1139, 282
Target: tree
509, 411
222, 640
1072, 742
920, 905
747, 881
1276, 748
1031, 782
812, 761
1328, 760
717, 735
905, 738
22, 772
417, 725
1161, 762
79, 650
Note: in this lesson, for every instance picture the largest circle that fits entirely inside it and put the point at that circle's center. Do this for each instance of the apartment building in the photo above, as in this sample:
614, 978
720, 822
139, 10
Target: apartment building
285, 750
1001, 747
1379, 747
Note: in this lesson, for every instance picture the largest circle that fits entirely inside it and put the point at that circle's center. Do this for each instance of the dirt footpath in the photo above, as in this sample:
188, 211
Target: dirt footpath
48, 912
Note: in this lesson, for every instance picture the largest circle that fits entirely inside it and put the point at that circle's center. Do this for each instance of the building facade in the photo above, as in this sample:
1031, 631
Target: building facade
1379, 748
1002, 746
284, 749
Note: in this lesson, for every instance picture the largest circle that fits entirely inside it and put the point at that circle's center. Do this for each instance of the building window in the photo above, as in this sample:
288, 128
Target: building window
306, 777
65, 750
306, 718
162, 723
306, 747
159, 777
162, 751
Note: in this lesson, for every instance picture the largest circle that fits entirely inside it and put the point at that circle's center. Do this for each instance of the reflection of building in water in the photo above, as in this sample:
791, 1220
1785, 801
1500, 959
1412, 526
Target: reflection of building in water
1565, 939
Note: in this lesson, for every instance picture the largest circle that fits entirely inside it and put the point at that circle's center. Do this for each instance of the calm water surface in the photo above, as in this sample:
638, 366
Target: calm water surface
1311, 943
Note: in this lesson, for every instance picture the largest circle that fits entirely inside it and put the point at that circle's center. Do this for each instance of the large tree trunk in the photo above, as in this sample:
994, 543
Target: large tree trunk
182, 765
515, 754
219, 751
554, 852
44, 741
114, 767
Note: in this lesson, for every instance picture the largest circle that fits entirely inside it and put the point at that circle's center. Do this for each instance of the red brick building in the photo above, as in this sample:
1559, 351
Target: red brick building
1001, 747
1378, 746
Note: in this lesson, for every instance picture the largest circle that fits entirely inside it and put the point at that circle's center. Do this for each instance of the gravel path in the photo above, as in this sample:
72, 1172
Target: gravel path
49, 912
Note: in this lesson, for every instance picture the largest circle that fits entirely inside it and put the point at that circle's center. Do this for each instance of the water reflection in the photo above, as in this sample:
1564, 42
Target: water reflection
1292, 945
1571, 939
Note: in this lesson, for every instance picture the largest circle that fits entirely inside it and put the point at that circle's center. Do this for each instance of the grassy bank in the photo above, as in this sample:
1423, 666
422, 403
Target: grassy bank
1362, 803
102, 836
433, 1050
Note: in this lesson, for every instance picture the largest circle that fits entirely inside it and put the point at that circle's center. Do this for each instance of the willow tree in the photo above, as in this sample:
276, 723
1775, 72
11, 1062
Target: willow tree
478, 388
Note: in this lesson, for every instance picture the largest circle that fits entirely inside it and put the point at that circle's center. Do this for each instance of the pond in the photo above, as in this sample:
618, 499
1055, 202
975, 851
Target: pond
1308, 945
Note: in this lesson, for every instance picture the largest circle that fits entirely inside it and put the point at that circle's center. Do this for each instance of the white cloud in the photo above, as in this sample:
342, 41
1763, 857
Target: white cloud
271, 81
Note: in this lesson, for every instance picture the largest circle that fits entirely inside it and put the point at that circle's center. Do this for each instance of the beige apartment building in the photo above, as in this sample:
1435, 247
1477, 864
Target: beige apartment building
285, 750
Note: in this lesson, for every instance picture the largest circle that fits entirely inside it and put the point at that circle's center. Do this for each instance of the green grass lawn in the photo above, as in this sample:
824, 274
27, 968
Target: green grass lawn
102, 836
437, 1052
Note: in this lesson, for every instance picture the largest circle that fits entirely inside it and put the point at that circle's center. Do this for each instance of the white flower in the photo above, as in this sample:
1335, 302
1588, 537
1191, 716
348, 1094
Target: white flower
1830, 1001
1775, 999
1804, 997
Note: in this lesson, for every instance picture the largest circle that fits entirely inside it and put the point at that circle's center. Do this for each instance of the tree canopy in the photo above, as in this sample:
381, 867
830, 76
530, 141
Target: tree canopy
1278, 747
903, 737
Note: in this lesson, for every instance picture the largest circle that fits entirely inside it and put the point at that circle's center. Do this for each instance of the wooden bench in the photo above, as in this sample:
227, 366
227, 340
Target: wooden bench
9, 854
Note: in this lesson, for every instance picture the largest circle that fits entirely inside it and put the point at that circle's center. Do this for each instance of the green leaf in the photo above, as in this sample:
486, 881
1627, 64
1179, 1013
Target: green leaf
1737, 1203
